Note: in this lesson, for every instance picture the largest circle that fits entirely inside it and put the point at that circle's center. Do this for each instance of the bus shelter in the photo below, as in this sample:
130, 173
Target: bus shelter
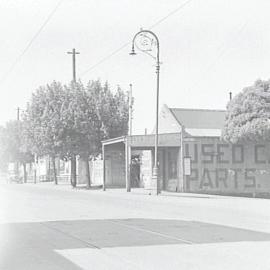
128, 162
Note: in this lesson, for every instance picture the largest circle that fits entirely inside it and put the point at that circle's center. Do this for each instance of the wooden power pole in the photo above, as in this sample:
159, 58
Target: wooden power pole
18, 113
73, 159
74, 63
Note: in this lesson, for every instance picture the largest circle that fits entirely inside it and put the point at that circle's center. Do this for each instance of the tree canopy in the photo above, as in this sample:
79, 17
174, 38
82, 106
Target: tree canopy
248, 114
66, 121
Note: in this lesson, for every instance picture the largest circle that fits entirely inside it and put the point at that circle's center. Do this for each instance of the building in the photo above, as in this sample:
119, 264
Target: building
191, 157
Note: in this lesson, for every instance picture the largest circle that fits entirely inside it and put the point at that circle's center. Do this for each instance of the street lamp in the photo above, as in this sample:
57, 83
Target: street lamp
145, 41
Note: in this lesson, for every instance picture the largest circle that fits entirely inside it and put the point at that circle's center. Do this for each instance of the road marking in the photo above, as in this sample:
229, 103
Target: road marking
152, 232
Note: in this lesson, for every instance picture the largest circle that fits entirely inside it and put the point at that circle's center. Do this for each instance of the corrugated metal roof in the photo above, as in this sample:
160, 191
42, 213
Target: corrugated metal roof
199, 118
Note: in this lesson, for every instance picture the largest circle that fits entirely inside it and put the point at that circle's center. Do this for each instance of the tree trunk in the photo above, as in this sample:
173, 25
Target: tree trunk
24, 173
49, 170
35, 176
73, 171
35, 168
54, 171
87, 169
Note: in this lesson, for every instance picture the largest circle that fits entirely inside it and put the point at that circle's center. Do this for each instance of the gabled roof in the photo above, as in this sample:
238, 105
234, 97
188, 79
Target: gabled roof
199, 118
200, 122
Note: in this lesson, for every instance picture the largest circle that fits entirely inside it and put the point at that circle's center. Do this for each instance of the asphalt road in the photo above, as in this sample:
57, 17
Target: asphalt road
55, 227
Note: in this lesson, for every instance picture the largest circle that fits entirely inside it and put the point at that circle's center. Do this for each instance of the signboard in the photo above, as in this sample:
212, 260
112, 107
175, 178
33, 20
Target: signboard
187, 165
220, 167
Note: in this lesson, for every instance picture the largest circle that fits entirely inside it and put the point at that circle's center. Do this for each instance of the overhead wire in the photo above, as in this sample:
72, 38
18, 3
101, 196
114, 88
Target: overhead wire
102, 60
29, 44
223, 50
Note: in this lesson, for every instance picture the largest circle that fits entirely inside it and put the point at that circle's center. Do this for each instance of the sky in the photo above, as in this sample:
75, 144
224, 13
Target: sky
207, 49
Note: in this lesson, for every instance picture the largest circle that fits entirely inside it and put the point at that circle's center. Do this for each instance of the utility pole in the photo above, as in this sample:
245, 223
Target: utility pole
17, 164
74, 159
18, 113
130, 109
73, 63
230, 93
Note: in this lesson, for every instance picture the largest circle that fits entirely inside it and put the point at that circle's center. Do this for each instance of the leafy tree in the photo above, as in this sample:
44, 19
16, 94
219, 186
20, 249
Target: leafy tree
72, 121
45, 128
112, 110
78, 116
14, 146
3, 159
96, 113
248, 114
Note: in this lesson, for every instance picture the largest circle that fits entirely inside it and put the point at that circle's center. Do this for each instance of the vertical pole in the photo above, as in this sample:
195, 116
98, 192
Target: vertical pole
17, 164
130, 110
127, 167
157, 109
154, 180
18, 113
183, 185
35, 168
73, 159
155, 169
74, 64
230, 93
127, 146
104, 167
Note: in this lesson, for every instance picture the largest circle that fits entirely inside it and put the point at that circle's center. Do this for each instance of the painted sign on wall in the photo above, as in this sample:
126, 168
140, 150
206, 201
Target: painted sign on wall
217, 166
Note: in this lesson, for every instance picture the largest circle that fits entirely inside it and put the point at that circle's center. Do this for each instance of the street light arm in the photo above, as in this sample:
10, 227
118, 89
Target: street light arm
156, 39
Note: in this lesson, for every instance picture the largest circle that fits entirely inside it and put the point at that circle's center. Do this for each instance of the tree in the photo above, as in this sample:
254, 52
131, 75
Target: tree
96, 113
14, 146
45, 128
248, 114
3, 159
79, 118
72, 121
112, 109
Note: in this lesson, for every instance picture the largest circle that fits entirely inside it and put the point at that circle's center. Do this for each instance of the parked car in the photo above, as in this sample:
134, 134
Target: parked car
13, 177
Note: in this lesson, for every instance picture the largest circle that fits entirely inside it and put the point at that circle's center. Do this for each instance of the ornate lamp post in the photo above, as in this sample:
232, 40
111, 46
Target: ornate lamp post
144, 41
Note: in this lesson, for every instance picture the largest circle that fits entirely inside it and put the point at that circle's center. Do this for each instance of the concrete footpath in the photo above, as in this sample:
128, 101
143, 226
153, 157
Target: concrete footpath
44, 226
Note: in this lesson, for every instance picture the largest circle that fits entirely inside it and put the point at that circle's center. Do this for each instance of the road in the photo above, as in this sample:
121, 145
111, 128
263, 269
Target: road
50, 227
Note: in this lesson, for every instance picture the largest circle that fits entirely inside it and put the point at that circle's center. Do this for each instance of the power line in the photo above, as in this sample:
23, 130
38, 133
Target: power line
105, 58
102, 60
31, 41
223, 49
170, 14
